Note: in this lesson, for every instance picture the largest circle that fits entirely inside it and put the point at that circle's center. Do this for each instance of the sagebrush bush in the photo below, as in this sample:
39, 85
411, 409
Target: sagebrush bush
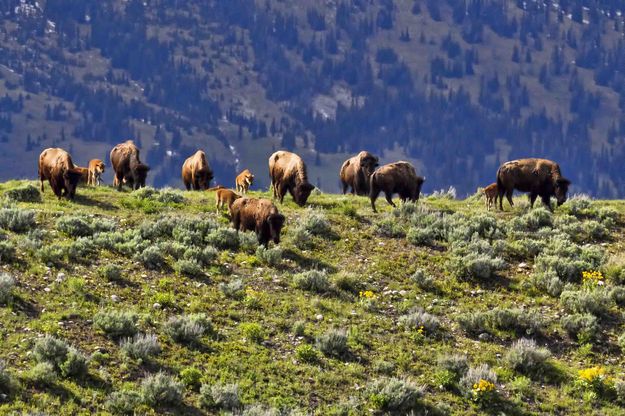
518, 320
348, 282
333, 343
301, 238
394, 394
81, 250
7, 284
473, 323
151, 258
7, 384
421, 236
110, 272
619, 389
74, 226
269, 256
223, 239
475, 266
62, 357
220, 396
123, 402
116, 323
189, 268
474, 375
235, 289
76, 364
419, 319
527, 357
312, 281
42, 375
533, 220
7, 252
596, 301
389, 227
161, 389
17, 220
423, 280
248, 242
548, 281
316, 223
582, 327
204, 256
26, 193
188, 329
141, 346
456, 364
161, 228
170, 196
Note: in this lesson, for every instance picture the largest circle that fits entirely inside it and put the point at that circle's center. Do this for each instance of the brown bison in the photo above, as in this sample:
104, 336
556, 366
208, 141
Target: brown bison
490, 192
127, 166
395, 178
84, 174
288, 173
225, 197
356, 171
260, 215
244, 181
96, 169
539, 177
57, 167
196, 173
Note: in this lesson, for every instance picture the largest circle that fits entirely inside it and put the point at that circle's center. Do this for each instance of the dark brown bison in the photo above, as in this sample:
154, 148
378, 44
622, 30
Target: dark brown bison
260, 215
127, 166
539, 177
395, 178
288, 173
356, 171
196, 173
57, 167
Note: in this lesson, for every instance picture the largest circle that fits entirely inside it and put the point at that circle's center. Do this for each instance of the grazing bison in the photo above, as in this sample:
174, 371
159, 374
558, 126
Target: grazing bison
57, 167
260, 215
395, 178
96, 169
196, 173
356, 171
244, 181
127, 166
288, 173
539, 177
225, 197
490, 192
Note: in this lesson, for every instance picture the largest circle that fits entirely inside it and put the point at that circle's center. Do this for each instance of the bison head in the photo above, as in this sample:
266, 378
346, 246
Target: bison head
205, 179
141, 173
302, 192
71, 177
276, 222
369, 163
561, 189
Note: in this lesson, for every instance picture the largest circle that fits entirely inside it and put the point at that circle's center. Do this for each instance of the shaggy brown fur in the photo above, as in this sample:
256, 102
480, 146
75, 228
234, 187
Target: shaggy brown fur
84, 174
490, 192
57, 167
244, 181
260, 215
539, 177
225, 197
127, 166
288, 173
196, 173
356, 171
96, 169
396, 178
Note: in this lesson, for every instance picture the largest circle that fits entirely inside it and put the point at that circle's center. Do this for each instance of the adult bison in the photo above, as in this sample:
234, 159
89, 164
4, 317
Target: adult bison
288, 173
196, 173
395, 178
127, 166
356, 171
57, 167
260, 215
539, 177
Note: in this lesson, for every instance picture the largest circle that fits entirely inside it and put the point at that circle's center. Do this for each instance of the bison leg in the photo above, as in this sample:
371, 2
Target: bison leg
546, 201
282, 189
389, 198
532, 197
509, 197
119, 179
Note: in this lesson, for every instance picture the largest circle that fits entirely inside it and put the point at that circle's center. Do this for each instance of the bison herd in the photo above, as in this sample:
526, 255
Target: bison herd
361, 173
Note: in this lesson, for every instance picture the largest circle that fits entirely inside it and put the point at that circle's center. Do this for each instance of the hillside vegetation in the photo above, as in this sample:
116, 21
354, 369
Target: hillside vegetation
149, 302
454, 86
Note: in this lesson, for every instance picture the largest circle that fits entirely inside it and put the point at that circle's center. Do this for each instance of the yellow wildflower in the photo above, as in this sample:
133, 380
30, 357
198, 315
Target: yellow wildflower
592, 374
367, 294
592, 277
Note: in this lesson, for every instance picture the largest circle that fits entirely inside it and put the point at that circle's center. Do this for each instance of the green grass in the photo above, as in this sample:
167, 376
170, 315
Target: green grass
253, 342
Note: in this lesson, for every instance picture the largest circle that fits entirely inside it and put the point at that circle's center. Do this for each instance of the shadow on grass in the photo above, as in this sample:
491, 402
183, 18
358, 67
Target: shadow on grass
90, 202
25, 307
307, 262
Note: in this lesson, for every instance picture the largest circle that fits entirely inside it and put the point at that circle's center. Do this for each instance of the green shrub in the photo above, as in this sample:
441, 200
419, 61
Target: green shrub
188, 329
151, 258
141, 346
7, 252
348, 282
422, 280
223, 239
191, 377
161, 389
74, 226
116, 323
42, 375
389, 227
26, 193
123, 402
533, 220
306, 353
7, 284
517, 320
248, 242
110, 272
394, 395
474, 375
582, 327
316, 223
204, 256
419, 319
548, 281
596, 302
61, 356
81, 250
17, 220
333, 343
75, 364
170, 196
475, 266
220, 396
189, 268
7, 383
269, 256
302, 239
253, 332
473, 323
525, 356
234, 289
312, 281
455, 364
299, 328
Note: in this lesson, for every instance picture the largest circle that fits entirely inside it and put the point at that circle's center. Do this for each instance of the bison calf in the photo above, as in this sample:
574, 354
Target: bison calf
260, 215
396, 178
57, 167
490, 192
539, 177
225, 197
244, 181
288, 173
96, 169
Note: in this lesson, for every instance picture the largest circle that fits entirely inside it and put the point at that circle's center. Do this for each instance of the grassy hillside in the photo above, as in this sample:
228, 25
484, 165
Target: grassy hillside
353, 314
